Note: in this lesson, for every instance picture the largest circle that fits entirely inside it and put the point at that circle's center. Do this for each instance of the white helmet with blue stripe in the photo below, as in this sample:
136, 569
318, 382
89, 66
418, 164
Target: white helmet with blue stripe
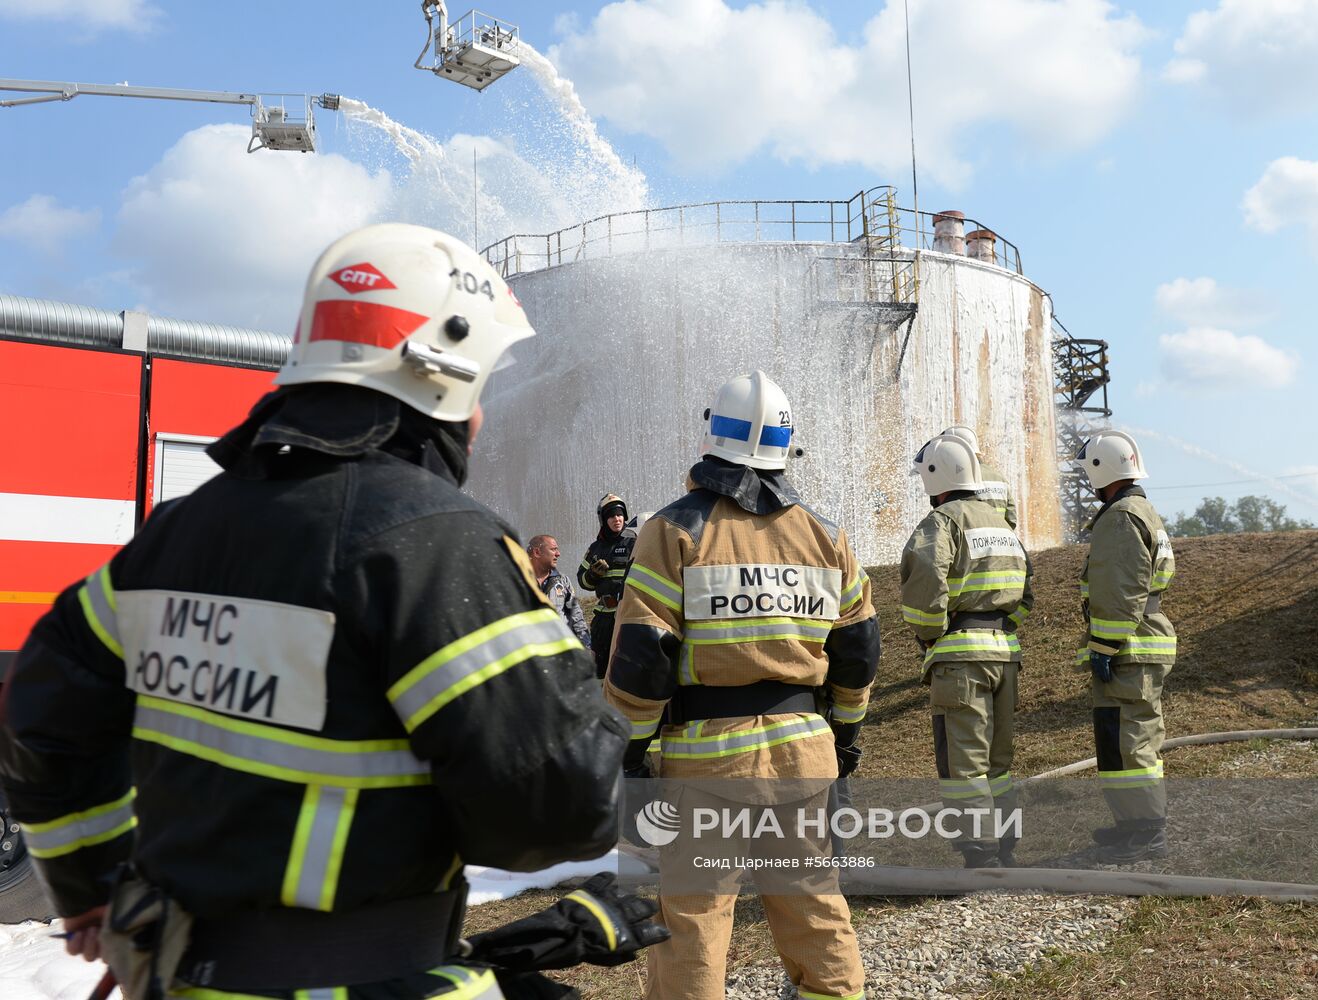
750, 423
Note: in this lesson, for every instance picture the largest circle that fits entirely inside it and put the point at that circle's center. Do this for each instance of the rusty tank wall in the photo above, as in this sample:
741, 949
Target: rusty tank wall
630, 349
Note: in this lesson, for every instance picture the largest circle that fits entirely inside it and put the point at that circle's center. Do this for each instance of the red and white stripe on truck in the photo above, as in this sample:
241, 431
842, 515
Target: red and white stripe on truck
88, 438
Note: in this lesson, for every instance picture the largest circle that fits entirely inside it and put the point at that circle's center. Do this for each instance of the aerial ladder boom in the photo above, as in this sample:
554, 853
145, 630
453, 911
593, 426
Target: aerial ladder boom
273, 127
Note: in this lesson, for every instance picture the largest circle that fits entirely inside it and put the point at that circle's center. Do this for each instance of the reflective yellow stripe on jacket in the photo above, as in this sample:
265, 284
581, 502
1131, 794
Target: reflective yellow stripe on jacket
96, 596
87, 828
474, 659
691, 744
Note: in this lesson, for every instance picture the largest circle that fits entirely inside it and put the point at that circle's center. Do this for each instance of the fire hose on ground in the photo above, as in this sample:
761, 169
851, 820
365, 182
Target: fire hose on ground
935, 882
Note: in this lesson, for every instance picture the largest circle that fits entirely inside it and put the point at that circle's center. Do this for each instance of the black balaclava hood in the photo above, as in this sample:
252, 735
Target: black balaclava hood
758, 491
339, 422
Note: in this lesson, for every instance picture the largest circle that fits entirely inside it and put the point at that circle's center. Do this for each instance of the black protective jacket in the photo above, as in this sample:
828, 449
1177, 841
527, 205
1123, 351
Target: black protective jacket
616, 550
325, 678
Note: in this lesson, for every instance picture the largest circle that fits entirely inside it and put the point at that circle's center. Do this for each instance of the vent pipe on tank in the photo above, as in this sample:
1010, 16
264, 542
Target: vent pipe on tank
981, 243
949, 232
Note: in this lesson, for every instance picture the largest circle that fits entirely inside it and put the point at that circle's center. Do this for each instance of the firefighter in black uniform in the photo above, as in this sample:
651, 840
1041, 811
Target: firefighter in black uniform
604, 570
304, 696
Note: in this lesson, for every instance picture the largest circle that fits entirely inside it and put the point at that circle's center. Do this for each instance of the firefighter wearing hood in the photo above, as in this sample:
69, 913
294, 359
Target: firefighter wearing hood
739, 604
603, 570
303, 697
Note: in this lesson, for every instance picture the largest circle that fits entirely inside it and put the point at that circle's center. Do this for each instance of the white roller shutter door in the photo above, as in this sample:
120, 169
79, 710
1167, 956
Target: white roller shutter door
181, 465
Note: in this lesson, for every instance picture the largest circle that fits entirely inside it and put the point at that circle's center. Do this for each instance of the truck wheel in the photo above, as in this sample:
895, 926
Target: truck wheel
22, 896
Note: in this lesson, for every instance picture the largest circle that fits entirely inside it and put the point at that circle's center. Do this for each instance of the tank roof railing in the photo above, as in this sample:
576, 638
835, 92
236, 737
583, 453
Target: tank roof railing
711, 222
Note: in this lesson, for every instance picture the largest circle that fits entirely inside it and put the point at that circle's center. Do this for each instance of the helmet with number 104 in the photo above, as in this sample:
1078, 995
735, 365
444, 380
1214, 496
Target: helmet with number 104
410, 312
945, 464
1110, 456
750, 423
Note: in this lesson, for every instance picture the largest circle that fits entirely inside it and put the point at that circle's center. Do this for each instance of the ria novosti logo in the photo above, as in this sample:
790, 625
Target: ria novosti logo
658, 823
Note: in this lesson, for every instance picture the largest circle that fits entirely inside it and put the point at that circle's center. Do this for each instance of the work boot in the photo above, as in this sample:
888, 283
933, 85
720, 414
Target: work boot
1110, 834
1137, 845
1006, 852
980, 855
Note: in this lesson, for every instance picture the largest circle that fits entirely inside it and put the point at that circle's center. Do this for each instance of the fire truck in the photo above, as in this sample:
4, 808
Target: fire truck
103, 415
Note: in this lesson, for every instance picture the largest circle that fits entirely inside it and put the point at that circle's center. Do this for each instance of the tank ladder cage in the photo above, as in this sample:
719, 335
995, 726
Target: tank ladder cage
871, 218
475, 50
1081, 377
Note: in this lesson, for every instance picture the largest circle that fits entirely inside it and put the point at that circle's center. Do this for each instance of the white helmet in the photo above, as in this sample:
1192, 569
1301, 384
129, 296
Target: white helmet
750, 423
946, 463
966, 434
408, 311
1110, 456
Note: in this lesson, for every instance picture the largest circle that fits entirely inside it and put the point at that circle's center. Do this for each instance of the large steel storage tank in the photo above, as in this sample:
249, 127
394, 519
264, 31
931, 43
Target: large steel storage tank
634, 339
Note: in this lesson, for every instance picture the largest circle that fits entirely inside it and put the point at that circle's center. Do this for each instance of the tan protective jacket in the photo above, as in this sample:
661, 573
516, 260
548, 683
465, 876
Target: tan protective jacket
996, 493
962, 558
726, 590
1130, 559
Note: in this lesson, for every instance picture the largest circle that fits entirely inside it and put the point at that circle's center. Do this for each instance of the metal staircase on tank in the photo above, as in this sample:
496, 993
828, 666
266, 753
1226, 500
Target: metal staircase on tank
1081, 377
883, 276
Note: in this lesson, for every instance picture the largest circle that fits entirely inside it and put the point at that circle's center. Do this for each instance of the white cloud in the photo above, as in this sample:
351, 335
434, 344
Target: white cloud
215, 233
133, 15
1202, 302
1209, 358
1060, 73
43, 223
1257, 55
1286, 194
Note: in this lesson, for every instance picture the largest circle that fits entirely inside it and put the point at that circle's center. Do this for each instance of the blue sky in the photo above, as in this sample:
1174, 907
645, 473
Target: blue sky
1155, 162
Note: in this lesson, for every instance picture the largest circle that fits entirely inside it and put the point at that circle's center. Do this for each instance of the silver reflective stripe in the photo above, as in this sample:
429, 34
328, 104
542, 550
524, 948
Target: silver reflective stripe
758, 738
661, 587
473, 659
277, 753
98, 604
469, 984
321, 993
852, 593
314, 865
702, 633
686, 670
67, 834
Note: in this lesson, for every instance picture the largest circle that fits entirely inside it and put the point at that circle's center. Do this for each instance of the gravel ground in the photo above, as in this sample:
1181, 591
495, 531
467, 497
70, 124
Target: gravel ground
953, 947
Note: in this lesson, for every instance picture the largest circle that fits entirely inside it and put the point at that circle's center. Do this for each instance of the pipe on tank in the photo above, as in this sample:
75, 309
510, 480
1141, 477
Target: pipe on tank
950, 232
980, 245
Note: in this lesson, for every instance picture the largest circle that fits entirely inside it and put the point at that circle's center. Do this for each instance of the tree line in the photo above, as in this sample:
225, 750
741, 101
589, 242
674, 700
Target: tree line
1214, 516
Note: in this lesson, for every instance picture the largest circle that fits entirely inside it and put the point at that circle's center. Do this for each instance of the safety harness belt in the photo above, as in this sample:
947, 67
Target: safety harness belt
699, 701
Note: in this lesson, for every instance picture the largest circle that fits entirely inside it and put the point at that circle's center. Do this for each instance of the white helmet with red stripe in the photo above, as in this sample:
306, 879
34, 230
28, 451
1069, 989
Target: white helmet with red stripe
750, 423
408, 311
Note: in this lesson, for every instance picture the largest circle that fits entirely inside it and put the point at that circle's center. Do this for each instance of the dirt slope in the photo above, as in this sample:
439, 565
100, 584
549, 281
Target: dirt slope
1245, 608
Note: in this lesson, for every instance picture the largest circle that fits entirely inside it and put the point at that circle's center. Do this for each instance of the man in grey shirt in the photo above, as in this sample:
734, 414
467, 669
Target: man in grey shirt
543, 550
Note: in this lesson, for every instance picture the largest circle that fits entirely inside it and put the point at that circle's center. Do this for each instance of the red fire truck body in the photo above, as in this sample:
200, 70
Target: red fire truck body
91, 437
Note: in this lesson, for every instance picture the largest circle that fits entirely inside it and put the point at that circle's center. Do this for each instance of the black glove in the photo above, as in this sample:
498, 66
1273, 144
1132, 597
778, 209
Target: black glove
595, 925
1101, 665
845, 735
848, 759
635, 758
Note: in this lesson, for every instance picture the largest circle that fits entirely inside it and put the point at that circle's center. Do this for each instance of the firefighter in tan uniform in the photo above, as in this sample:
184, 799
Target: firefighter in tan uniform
965, 589
995, 490
741, 602
1130, 649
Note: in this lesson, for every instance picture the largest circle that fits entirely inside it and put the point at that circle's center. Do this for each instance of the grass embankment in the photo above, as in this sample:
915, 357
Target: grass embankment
1246, 610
